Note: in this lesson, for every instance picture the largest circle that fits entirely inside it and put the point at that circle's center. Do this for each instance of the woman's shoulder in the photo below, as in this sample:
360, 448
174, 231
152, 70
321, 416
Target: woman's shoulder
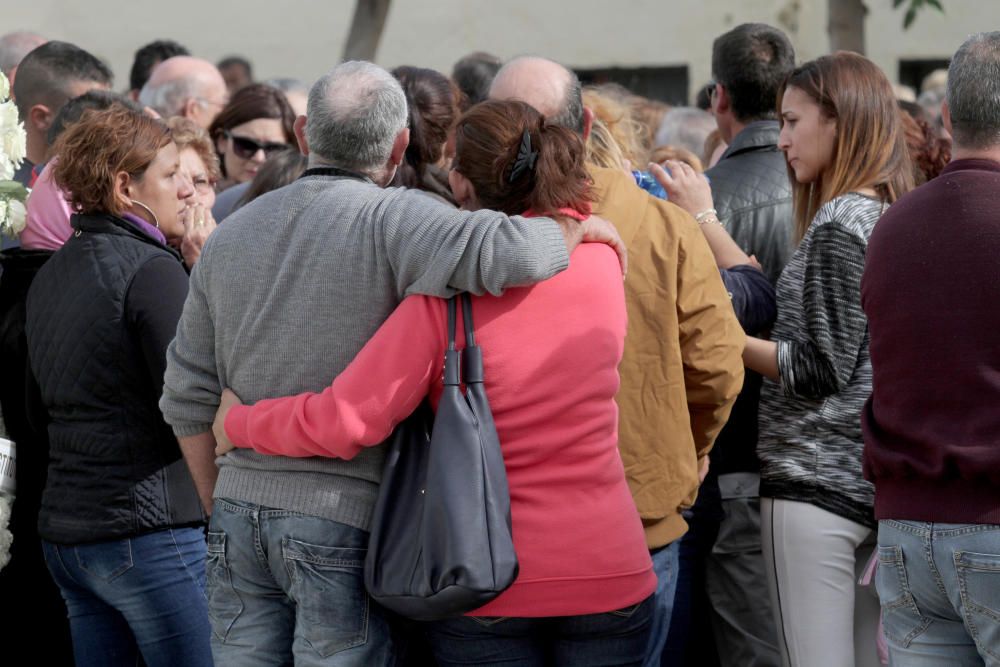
852, 212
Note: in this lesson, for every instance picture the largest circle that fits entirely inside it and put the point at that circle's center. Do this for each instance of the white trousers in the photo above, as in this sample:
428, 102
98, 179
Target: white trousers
814, 559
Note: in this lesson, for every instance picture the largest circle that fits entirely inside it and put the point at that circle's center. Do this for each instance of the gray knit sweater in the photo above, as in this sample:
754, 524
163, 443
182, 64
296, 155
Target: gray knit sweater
810, 422
289, 289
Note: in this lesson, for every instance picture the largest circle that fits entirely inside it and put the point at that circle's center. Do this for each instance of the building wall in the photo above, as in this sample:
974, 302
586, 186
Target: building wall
304, 38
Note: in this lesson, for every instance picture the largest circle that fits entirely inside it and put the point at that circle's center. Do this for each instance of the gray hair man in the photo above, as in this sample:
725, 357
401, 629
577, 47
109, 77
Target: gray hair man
682, 366
931, 430
14, 46
284, 296
186, 86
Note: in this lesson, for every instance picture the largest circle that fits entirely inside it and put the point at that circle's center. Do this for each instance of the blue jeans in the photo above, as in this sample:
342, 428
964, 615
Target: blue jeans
613, 638
939, 585
143, 594
285, 587
666, 563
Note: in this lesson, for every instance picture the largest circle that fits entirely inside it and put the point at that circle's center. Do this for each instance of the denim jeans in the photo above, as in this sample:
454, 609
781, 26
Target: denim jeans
666, 563
613, 638
144, 594
285, 588
940, 590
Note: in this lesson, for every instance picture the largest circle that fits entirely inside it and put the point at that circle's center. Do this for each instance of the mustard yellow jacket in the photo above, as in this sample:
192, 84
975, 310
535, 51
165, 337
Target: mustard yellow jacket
682, 367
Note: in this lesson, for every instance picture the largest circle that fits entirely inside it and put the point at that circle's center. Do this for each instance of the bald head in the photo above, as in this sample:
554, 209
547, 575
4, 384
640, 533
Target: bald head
546, 85
186, 86
14, 46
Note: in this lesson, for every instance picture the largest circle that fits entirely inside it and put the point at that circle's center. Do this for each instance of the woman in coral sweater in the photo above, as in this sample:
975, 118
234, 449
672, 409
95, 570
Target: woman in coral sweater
551, 354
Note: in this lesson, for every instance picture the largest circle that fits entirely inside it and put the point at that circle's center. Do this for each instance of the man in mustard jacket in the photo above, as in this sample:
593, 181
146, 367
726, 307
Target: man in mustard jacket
682, 367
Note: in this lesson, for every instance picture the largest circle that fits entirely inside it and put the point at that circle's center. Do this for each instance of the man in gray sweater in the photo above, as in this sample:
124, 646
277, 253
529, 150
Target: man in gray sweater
283, 297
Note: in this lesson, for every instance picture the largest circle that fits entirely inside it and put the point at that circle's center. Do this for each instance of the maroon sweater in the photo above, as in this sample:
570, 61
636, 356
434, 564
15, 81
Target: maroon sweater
931, 291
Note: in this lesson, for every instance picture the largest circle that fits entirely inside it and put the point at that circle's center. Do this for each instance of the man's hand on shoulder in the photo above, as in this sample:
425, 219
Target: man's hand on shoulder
593, 230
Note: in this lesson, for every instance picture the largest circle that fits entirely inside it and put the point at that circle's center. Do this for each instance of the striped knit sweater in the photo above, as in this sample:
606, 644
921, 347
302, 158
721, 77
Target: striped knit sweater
810, 420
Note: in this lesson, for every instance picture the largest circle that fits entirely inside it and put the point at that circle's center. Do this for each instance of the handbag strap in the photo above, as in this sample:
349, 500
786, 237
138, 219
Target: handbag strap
452, 373
472, 355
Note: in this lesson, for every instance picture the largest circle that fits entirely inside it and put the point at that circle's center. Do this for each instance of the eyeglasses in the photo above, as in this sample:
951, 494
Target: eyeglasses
245, 147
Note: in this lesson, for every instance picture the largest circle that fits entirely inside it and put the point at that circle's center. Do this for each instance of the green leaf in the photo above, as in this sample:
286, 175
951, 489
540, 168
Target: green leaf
936, 4
13, 189
911, 15
897, 3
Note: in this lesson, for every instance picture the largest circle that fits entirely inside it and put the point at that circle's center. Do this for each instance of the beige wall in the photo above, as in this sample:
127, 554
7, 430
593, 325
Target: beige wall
304, 38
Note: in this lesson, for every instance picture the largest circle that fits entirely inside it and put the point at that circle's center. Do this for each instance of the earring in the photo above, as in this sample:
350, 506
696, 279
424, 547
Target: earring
148, 210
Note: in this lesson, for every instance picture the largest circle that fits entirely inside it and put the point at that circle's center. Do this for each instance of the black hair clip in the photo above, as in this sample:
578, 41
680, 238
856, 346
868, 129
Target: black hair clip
525, 160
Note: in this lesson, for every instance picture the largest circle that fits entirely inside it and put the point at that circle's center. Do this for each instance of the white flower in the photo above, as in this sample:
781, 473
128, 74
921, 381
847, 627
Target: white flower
3, 213
12, 136
4, 87
14, 144
16, 217
6, 168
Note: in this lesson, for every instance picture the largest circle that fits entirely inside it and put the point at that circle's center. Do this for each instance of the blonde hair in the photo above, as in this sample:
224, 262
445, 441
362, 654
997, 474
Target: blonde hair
188, 134
602, 149
870, 149
667, 152
617, 118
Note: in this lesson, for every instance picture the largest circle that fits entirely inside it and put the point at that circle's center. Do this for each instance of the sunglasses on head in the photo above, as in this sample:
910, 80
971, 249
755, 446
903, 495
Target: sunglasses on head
246, 148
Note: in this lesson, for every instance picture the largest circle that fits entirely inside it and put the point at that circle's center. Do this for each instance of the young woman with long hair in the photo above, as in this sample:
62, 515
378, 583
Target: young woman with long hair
843, 140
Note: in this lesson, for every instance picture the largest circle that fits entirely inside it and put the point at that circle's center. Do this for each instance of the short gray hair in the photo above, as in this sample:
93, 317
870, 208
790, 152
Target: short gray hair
353, 116
974, 92
169, 97
14, 46
686, 127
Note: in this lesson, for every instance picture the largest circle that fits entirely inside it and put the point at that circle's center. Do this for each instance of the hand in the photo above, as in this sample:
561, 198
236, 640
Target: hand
198, 225
222, 443
685, 187
703, 470
596, 230
755, 264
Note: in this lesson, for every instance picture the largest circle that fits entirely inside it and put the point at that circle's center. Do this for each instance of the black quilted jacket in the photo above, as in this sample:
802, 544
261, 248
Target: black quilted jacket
115, 469
753, 195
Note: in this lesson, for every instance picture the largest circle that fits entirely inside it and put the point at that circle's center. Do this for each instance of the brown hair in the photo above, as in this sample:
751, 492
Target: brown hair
869, 151
188, 134
487, 140
433, 105
102, 144
255, 101
929, 153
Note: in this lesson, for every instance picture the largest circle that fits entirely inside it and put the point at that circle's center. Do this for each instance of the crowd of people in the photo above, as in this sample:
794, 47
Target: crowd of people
737, 356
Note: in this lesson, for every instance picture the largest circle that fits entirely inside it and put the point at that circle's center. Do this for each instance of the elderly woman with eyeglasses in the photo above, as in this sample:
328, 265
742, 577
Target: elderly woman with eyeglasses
256, 124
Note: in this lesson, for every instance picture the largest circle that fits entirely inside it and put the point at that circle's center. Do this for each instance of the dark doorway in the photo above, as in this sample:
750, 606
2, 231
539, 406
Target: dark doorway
912, 72
667, 84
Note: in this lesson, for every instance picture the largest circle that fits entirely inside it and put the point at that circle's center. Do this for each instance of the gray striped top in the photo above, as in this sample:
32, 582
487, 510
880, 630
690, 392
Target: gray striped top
810, 421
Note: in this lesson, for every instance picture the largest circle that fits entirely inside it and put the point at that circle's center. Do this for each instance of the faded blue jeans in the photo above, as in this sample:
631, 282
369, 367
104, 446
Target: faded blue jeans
287, 588
939, 586
144, 594
666, 565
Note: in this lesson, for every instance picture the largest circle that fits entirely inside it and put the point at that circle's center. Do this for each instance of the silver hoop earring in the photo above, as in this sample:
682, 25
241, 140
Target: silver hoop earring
148, 210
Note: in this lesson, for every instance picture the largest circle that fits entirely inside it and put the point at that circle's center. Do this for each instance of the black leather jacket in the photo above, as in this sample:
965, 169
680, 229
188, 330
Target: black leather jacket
115, 469
753, 195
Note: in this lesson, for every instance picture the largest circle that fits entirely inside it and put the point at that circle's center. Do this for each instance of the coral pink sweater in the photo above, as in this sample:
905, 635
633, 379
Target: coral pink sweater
551, 354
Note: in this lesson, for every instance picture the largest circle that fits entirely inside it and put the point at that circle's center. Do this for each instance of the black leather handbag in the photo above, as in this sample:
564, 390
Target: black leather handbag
441, 542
